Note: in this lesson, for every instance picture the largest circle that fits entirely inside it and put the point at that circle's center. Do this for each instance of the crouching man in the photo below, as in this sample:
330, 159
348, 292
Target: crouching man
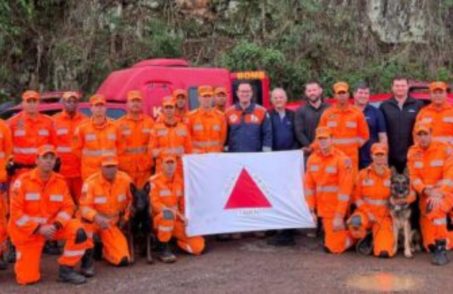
167, 212
42, 209
328, 186
105, 207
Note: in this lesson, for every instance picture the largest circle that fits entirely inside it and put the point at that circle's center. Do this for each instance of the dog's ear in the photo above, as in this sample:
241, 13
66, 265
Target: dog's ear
406, 172
133, 189
393, 170
147, 188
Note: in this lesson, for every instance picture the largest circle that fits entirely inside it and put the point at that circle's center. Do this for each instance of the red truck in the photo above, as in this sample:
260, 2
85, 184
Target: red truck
157, 78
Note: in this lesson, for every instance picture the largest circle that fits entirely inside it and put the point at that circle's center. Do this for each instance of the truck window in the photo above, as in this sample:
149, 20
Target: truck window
257, 86
193, 98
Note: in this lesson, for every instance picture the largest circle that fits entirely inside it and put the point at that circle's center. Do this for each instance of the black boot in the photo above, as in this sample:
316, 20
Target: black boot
3, 262
165, 254
67, 274
365, 246
439, 256
52, 248
87, 266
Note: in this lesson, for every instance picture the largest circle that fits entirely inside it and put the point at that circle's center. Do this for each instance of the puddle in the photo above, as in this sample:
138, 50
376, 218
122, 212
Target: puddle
384, 282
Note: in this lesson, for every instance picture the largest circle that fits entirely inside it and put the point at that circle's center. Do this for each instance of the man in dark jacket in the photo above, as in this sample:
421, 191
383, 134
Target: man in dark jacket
400, 112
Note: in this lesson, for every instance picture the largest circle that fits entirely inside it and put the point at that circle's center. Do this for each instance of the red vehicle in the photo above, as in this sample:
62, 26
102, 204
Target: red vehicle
157, 78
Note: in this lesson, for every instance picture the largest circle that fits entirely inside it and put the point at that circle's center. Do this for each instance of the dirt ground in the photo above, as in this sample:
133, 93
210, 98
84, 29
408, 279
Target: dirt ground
251, 266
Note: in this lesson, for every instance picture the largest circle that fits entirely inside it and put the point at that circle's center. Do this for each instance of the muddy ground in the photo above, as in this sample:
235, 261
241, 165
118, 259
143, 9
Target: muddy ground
251, 266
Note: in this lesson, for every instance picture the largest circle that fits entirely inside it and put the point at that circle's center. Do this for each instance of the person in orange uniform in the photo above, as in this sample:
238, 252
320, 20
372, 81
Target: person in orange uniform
347, 124
180, 98
206, 124
439, 114
42, 209
65, 124
328, 188
105, 207
431, 173
96, 137
167, 212
30, 129
169, 136
135, 130
372, 194
220, 99
5, 153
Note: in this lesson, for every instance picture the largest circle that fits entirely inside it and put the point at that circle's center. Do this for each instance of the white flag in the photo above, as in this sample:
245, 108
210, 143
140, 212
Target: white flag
241, 192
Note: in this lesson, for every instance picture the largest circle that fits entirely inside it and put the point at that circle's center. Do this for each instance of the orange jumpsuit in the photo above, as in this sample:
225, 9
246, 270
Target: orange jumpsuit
65, 127
168, 193
372, 194
349, 128
440, 120
429, 168
112, 200
35, 203
28, 134
328, 188
134, 158
170, 139
91, 141
208, 130
5, 152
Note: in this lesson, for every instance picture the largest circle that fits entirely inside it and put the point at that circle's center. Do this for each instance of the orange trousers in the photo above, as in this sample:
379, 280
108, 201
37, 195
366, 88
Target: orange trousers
336, 241
168, 228
3, 221
382, 230
75, 188
433, 224
115, 246
29, 250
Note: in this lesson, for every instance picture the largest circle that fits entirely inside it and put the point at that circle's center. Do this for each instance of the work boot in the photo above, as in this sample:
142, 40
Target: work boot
87, 264
165, 254
365, 246
282, 238
3, 263
439, 256
67, 274
52, 248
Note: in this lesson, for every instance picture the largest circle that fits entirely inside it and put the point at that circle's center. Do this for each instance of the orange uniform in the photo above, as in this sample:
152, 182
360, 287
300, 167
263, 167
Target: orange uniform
181, 116
349, 130
28, 134
65, 127
168, 193
5, 152
170, 139
34, 203
440, 120
431, 167
208, 130
328, 187
112, 200
372, 194
91, 141
133, 153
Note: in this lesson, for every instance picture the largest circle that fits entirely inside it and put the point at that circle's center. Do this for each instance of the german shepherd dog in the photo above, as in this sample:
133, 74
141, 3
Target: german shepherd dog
401, 213
138, 230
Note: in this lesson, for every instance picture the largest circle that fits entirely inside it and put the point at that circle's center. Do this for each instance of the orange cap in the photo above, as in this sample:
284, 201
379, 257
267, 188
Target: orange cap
134, 94
97, 99
379, 148
71, 94
45, 149
205, 91
323, 132
422, 127
220, 90
109, 160
168, 101
340, 87
179, 92
437, 86
29, 94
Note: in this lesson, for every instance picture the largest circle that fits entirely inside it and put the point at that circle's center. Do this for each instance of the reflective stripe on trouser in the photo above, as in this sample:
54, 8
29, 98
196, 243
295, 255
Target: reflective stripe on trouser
28, 252
382, 231
433, 225
166, 229
115, 246
336, 241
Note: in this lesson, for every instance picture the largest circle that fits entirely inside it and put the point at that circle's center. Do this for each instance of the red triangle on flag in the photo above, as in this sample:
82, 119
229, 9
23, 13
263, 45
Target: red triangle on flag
246, 194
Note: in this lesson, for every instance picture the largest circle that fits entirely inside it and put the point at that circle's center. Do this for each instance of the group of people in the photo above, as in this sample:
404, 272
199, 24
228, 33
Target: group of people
69, 177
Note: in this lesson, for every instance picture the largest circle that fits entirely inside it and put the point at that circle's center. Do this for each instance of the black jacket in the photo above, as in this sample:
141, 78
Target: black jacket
306, 121
400, 123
